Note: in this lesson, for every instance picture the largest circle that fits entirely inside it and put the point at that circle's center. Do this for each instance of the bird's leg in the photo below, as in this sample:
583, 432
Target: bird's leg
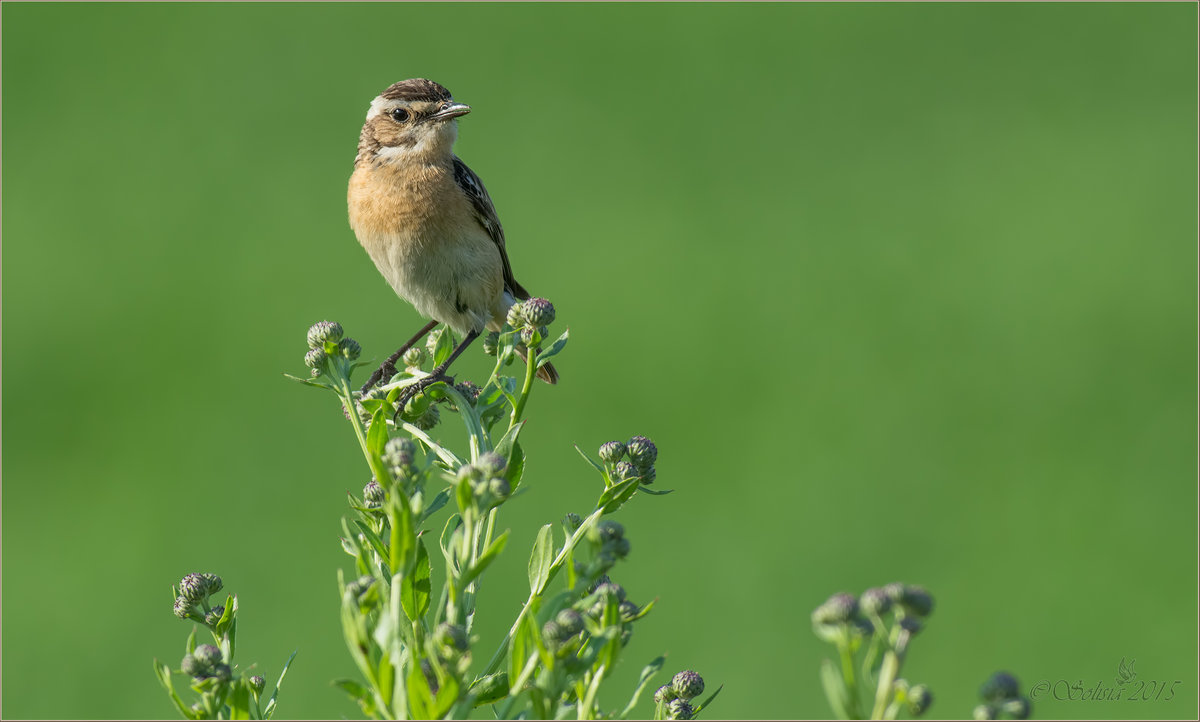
438, 374
388, 368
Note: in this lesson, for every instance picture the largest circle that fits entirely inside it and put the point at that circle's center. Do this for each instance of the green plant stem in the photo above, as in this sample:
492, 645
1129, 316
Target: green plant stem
563, 554
530, 373
848, 675
893, 659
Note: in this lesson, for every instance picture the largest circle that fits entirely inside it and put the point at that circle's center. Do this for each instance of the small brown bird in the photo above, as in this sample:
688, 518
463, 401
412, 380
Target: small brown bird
428, 223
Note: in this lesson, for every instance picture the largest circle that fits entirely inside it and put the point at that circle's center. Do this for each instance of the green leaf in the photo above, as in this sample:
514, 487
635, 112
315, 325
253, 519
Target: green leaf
617, 494
555, 348
444, 347
490, 688
658, 492
226, 621
359, 694
505, 446
588, 459
463, 495
239, 701
403, 546
415, 587
446, 695
447, 539
163, 672
435, 504
516, 466
541, 559
835, 689
647, 673
190, 645
420, 698
704, 705
377, 434
310, 382
269, 710
489, 555
373, 539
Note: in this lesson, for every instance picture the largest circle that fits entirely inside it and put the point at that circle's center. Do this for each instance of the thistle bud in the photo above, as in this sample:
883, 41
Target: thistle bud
516, 316
611, 452
984, 711
838, 609
687, 684
323, 331
469, 390
552, 632
679, 709
207, 655
451, 639
1000, 686
917, 601
623, 470
214, 615
491, 343
664, 694
414, 357
570, 622
649, 475
183, 607
399, 452
1018, 708
193, 587
874, 601
607, 530
530, 336
349, 348
492, 464
373, 495
192, 666
314, 359
919, 699
612, 589
431, 341
429, 419
257, 684
538, 312
359, 586
912, 625
620, 547
642, 452
572, 522
214, 583
499, 487
628, 611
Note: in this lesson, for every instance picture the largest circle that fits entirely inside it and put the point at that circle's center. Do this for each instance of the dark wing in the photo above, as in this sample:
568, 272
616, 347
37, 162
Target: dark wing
485, 213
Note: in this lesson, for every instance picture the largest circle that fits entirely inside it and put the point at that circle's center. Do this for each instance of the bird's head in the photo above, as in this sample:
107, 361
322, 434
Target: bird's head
411, 118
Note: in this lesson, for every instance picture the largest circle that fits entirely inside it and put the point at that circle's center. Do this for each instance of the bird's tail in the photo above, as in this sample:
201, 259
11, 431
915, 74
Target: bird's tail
546, 373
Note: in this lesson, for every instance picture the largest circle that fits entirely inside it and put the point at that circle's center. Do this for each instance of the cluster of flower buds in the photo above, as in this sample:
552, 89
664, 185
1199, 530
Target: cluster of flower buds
569, 630
204, 662
1001, 695
192, 600
400, 457
487, 477
327, 341
609, 544
641, 453
910, 604
530, 318
675, 699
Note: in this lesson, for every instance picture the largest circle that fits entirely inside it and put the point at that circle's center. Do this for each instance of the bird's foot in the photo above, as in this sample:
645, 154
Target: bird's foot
410, 392
386, 371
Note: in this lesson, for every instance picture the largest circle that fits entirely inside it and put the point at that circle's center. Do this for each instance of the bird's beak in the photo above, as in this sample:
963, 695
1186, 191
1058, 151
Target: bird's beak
452, 110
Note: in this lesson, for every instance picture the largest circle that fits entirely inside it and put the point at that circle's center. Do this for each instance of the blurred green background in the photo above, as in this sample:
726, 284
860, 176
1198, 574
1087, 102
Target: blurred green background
903, 292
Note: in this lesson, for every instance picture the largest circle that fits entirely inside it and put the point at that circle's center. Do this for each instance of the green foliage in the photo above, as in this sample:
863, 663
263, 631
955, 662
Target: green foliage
417, 657
224, 690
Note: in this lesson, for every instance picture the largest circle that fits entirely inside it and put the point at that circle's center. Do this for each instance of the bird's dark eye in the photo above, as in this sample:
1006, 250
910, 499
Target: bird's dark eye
400, 115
